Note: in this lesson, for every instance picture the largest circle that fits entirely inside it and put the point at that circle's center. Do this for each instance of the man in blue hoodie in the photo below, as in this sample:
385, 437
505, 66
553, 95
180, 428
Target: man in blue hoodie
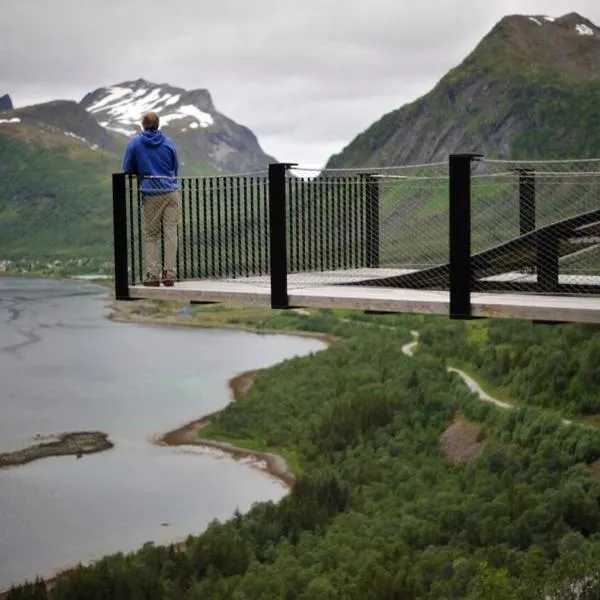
152, 156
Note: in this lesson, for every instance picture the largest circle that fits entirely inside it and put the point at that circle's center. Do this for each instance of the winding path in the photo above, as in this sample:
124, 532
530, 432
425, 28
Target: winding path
408, 350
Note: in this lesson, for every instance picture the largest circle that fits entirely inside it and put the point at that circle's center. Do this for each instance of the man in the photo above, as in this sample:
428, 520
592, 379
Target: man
152, 156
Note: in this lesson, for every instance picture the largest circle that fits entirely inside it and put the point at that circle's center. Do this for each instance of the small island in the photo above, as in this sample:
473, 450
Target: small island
75, 443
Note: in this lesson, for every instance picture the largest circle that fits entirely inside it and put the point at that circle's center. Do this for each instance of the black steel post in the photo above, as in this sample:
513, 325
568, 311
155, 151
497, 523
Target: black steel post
277, 234
460, 234
182, 248
120, 236
547, 262
526, 201
372, 222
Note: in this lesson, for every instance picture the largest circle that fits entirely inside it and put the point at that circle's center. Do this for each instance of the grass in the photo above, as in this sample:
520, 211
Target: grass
290, 455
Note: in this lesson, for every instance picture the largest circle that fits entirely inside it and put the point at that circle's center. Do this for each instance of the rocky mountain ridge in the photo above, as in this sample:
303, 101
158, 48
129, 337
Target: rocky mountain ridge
189, 117
108, 117
529, 89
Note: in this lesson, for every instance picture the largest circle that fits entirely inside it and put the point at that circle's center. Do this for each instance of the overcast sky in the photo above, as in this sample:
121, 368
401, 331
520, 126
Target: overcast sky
306, 76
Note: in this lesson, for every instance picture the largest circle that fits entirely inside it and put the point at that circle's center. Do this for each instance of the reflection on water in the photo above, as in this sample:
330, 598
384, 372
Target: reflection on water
64, 367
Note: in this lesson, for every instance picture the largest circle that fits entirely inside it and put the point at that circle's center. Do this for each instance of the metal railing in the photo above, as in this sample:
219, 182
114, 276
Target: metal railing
252, 227
469, 225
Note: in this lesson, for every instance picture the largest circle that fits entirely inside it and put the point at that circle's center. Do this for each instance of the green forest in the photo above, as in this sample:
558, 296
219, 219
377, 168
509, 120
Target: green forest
385, 506
553, 367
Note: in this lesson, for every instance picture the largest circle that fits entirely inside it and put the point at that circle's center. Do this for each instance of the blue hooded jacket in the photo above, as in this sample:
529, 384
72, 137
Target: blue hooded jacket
152, 154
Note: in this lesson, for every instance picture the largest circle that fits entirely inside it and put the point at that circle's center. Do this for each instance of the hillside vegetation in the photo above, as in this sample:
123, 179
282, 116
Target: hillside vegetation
380, 510
56, 193
55, 199
528, 90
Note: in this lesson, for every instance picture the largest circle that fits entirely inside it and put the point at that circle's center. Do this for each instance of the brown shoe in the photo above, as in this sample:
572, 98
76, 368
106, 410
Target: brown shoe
167, 280
151, 281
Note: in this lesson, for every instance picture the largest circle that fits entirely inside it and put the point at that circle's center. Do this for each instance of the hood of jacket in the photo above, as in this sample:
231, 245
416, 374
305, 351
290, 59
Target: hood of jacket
152, 137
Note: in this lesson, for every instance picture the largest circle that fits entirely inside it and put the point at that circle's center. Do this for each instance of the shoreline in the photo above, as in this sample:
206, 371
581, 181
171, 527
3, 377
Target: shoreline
187, 435
59, 278
273, 465
240, 384
119, 314
269, 463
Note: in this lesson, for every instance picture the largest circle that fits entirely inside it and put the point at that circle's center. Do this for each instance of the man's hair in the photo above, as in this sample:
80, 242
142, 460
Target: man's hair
150, 121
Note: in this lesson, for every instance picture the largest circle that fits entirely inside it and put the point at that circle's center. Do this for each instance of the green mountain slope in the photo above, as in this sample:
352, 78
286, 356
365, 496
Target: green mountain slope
54, 196
55, 189
72, 120
530, 89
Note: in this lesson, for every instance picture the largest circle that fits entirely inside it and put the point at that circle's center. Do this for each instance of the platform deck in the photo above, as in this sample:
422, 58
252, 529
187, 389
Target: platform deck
319, 290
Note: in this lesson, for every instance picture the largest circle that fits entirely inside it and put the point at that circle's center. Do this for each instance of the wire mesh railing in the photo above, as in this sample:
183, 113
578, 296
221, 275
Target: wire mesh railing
384, 223
331, 227
535, 225
221, 229
224, 224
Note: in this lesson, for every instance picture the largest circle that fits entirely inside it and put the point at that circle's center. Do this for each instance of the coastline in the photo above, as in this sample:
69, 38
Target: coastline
187, 434
273, 465
119, 314
239, 385
59, 278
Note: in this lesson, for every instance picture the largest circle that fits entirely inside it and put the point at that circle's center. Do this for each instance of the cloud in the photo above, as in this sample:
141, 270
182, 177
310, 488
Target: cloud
305, 77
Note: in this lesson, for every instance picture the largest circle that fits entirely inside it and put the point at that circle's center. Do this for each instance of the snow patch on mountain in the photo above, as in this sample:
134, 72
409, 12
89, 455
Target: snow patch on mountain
122, 130
580, 28
81, 139
584, 29
121, 109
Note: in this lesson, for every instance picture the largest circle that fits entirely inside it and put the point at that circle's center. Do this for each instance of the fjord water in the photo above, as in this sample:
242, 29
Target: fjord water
65, 367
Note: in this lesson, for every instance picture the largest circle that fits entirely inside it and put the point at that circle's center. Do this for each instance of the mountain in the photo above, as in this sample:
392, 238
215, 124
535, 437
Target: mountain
56, 160
5, 103
72, 120
55, 184
188, 117
531, 88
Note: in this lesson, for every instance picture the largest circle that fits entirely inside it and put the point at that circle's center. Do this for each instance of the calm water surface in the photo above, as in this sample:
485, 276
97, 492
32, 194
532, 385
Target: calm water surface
64, 367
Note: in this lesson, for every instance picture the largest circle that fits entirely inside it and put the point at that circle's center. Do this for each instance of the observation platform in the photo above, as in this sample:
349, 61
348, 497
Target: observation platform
467, 238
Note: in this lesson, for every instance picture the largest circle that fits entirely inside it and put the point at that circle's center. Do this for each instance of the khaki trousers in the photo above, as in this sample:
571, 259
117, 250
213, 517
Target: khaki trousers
160, 210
